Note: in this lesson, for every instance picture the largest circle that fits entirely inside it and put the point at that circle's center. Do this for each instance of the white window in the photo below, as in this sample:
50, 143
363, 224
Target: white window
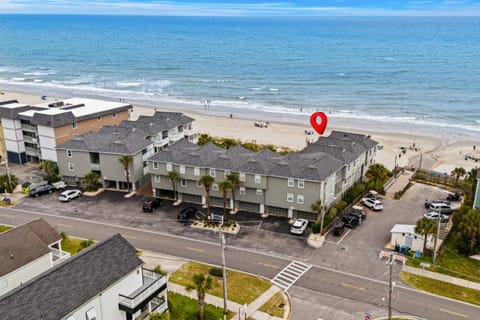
74, 125
199, 184
241, 177
182, 169
196, 171
69, 153
212, 172
259, 192
91, 314
169, 167
215, 187
227, 172
114, 115
242, 191
183, 183
290, 182
71, 167
289, 197
301, 183
155, 165
157, 178
300, 199
258, 178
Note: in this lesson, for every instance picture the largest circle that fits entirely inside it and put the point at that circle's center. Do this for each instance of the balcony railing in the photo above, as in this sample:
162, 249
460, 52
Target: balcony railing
95, 166
151, 282
59, 256
189, 132
161, 142
32, 151
29, 127
175, 137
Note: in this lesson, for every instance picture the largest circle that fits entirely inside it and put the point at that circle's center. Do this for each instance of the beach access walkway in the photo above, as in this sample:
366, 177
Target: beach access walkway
399, 183
170, 264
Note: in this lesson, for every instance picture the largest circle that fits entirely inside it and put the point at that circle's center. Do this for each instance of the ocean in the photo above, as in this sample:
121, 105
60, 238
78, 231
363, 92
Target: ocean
422, 71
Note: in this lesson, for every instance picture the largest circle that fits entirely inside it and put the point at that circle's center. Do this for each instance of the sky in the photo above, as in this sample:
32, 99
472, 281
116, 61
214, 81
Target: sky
247, 7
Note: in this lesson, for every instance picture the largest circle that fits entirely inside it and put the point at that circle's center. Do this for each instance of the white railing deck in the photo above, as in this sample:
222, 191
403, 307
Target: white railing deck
152, 281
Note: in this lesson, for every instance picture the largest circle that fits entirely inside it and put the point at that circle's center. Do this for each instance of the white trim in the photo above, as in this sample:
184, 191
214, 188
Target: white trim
258, 178
291, 182
290, 197
300, 199
182, 169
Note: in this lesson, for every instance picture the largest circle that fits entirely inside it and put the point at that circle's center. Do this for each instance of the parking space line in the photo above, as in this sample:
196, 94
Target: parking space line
130, 237
454, 313
343, 237
6, 215
352, 286
65, 225
195, 249
268, 265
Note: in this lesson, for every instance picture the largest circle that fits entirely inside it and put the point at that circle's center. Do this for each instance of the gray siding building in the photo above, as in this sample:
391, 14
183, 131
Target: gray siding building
269, 182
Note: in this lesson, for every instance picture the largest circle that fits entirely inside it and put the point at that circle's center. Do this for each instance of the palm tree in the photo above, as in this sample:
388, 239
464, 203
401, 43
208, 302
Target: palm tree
319, 209
471, 179
173, 176
51, 170
125, 161
470, 229
201, 284
91, 181
425, 227
458, 172
235, 182
224, 187
207, 181
376, 171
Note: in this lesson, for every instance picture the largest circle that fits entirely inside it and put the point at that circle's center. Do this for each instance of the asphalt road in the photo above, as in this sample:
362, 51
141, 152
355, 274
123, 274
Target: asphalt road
318, 279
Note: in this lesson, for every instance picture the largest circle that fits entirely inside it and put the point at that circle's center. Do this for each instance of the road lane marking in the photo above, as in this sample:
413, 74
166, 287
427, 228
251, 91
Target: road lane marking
127, 236
6, 215
268, 265
352, 286
65, 225
454, 313
195, 249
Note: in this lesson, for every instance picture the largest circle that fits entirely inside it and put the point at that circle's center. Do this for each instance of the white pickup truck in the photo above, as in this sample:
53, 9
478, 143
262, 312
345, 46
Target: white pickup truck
60, 185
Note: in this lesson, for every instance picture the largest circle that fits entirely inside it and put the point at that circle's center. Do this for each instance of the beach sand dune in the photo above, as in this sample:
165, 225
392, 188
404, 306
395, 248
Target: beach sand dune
429, 152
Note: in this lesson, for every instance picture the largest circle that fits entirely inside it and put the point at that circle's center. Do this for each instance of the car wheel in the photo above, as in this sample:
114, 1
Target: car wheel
50, 191
36, 195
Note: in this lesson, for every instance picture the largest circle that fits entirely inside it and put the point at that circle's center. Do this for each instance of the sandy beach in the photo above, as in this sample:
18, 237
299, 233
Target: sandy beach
442, 154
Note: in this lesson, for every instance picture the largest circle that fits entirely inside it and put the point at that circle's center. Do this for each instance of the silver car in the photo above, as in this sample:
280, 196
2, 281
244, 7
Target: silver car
68, 195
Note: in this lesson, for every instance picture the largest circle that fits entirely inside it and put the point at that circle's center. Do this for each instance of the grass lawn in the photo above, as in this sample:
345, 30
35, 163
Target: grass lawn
241, 288
4, 228
184, 308
453, 264
272, 308
442, 288
72, 245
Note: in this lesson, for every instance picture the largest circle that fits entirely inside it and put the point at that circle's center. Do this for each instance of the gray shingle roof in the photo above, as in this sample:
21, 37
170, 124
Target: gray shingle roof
159, 121
24, 244
110, 139
59, 291
316, 162
53, 120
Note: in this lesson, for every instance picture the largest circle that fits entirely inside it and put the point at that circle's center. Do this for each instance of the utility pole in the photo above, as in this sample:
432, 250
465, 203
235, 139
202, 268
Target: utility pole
437, 235
224, 272
420, 164
391, 260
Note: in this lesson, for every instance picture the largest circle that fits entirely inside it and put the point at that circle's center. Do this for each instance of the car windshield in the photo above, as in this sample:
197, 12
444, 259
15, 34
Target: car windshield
297, 224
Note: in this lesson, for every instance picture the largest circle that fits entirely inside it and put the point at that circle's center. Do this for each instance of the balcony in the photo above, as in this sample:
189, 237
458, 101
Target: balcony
175, 137
158, 142
153, 284
32, 151
189, 132
29, 127
30, 139
95, 166
59, 256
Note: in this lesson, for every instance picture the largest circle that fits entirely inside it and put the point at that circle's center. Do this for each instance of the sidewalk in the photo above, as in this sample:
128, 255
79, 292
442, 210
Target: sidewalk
442, 277
171, 264
401, 181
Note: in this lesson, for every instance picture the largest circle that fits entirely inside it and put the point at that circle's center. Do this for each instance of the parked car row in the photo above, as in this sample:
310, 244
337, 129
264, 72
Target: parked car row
65, 196
373, 204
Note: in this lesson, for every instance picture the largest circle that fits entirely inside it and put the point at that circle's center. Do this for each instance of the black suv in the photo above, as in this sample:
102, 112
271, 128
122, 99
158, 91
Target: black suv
339, 229
42, 189
187, 213
351, 221
150, 205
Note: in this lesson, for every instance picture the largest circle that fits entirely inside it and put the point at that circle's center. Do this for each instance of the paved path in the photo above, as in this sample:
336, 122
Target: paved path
401, 181
442, 277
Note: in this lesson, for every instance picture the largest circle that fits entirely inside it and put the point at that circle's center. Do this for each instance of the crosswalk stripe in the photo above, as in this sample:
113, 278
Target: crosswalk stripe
290, 274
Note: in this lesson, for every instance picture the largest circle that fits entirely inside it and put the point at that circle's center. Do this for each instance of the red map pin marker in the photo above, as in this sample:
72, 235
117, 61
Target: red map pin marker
319, 126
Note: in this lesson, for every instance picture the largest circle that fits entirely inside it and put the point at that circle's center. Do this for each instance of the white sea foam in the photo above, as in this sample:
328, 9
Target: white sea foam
273, 89
257, 88
129, 84
18, 79
389, 59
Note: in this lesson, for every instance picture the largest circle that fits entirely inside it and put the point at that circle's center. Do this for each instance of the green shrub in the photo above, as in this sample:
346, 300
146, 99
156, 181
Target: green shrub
158, 269
341, 205
316, 227
216, 272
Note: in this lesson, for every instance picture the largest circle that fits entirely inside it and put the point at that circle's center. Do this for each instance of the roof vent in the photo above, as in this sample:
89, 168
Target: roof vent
117, 142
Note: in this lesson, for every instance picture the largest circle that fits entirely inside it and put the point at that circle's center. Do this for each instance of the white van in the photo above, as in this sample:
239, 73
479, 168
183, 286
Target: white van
440, 207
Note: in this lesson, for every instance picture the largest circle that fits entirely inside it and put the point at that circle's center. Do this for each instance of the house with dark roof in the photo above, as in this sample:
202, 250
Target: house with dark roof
283, 185
31, 132
100, 151
103, 282
26, 251
476, 200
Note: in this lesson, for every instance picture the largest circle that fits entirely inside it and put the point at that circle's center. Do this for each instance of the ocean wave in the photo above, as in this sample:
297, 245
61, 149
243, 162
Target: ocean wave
128, 84
273, 89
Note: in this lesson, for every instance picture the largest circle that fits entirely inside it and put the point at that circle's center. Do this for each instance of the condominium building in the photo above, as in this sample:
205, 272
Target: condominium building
283, 185
103, 282
31, 132
26, 251
100, 151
